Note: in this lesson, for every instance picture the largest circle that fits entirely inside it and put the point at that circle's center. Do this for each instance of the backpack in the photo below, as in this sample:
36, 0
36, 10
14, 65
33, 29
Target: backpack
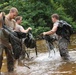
30, 41
15, 42
64, 29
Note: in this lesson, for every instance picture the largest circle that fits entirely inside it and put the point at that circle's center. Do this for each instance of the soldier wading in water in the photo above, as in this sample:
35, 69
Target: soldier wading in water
10, 23
62, 41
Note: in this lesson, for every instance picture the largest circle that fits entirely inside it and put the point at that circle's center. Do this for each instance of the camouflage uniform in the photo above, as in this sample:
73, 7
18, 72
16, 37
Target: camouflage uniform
63, 44
63, 48
4, 44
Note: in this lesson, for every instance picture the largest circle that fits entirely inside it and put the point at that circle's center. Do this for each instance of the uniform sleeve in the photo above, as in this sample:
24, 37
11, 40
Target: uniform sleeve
56, 24
21, 28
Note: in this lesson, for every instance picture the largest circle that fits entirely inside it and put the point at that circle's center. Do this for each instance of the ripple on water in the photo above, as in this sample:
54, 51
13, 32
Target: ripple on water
44, 65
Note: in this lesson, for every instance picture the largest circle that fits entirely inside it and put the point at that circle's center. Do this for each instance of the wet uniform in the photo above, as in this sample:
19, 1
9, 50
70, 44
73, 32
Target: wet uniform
4, 44
62, 44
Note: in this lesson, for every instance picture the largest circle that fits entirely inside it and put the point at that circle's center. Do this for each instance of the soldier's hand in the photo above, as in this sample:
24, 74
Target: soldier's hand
44, 33
29, 28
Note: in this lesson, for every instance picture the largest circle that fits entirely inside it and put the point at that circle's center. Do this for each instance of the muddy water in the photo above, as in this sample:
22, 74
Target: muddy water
44, 65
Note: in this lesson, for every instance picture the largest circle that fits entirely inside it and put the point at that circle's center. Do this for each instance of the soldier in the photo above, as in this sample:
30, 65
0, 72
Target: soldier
19, 28
63, 42
4, 43
9, 18
10, 22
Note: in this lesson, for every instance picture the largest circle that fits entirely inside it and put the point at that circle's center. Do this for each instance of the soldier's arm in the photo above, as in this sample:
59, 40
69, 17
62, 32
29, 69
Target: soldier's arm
0, 20
25, 31
54, 29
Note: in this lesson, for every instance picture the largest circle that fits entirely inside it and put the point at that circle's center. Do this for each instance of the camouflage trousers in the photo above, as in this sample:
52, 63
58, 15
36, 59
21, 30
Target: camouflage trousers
10, 60
5, 46
63, 48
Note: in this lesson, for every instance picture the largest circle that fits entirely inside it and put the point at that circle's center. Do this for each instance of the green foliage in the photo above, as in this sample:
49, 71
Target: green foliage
58, 7
70, 7
37, 13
